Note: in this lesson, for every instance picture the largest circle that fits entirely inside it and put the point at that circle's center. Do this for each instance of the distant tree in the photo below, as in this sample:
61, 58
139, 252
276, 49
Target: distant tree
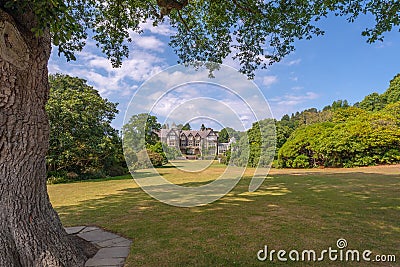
392, 94
372, 102
223, 136
82, 139
258, 143
186, 127
345, 114
141, 142
227, 133
309, 116
285, 118
337, 104
282, 133
141, 131
202, 128
376, 102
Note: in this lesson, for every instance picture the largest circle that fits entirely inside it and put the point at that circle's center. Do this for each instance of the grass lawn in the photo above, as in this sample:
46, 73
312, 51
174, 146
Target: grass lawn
293, 209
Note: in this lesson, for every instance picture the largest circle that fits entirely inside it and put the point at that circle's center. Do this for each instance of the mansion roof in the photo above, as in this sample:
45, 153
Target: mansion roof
203, 134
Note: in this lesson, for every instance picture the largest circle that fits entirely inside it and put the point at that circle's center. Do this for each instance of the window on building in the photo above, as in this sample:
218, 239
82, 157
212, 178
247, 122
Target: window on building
183, 140
197, 141
190, 141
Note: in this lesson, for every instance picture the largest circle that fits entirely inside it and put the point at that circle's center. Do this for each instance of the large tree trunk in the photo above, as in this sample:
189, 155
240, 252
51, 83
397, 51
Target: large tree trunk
31, 233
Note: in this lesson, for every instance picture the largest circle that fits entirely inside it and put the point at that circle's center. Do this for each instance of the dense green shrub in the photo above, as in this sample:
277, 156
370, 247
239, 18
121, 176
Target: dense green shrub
357, 139
301, 161
156, 158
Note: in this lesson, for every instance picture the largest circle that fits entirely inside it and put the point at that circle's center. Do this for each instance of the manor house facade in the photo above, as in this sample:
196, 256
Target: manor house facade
191, 142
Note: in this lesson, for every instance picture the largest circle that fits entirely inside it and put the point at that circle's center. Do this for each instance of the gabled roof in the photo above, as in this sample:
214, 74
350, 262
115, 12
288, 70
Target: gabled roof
203, 134
163, 133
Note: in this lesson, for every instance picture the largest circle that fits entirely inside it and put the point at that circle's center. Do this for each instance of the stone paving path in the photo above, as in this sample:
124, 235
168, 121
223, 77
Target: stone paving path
113, 249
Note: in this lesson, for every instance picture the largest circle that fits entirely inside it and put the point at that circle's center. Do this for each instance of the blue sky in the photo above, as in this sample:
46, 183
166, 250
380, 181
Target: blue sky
338, 65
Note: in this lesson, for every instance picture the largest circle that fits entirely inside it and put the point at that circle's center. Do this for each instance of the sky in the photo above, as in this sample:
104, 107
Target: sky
337, 65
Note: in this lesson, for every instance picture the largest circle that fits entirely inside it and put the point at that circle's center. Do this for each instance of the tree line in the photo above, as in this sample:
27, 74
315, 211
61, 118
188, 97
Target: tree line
340, 135
84, 145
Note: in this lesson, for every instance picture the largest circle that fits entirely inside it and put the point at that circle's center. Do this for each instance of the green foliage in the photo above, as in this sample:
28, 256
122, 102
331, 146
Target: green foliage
186, 127
159, 149
357, 138
206, 31
343, 136
140, 137
157, 159
376, 102
393, 110
392, 94
301, 161
282, 133
223, 159
228, 133
147, 159
343, 115
223, 136
171, 152
82, 139
372, 102
256, 147
337, 104
140, 131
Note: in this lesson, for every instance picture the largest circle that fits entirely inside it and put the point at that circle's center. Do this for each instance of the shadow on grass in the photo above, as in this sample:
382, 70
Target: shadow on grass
288, 211
372, 191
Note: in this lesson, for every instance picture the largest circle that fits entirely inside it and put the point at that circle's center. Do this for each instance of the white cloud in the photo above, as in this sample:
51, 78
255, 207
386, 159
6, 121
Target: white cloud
161, 29
293, 62
297, 88
99, 72
149, 42
269, 80
293, 100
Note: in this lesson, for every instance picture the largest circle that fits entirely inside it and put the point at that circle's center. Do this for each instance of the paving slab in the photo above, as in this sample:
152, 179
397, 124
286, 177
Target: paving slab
113, 251
97, 235
89, 228
74, 230
117, 262
119, 241
127, 243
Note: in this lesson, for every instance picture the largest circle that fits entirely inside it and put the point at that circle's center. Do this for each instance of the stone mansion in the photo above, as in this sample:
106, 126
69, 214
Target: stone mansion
191, 142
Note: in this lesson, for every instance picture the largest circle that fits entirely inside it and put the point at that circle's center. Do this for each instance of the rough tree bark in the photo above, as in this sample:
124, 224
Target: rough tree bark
31, 233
